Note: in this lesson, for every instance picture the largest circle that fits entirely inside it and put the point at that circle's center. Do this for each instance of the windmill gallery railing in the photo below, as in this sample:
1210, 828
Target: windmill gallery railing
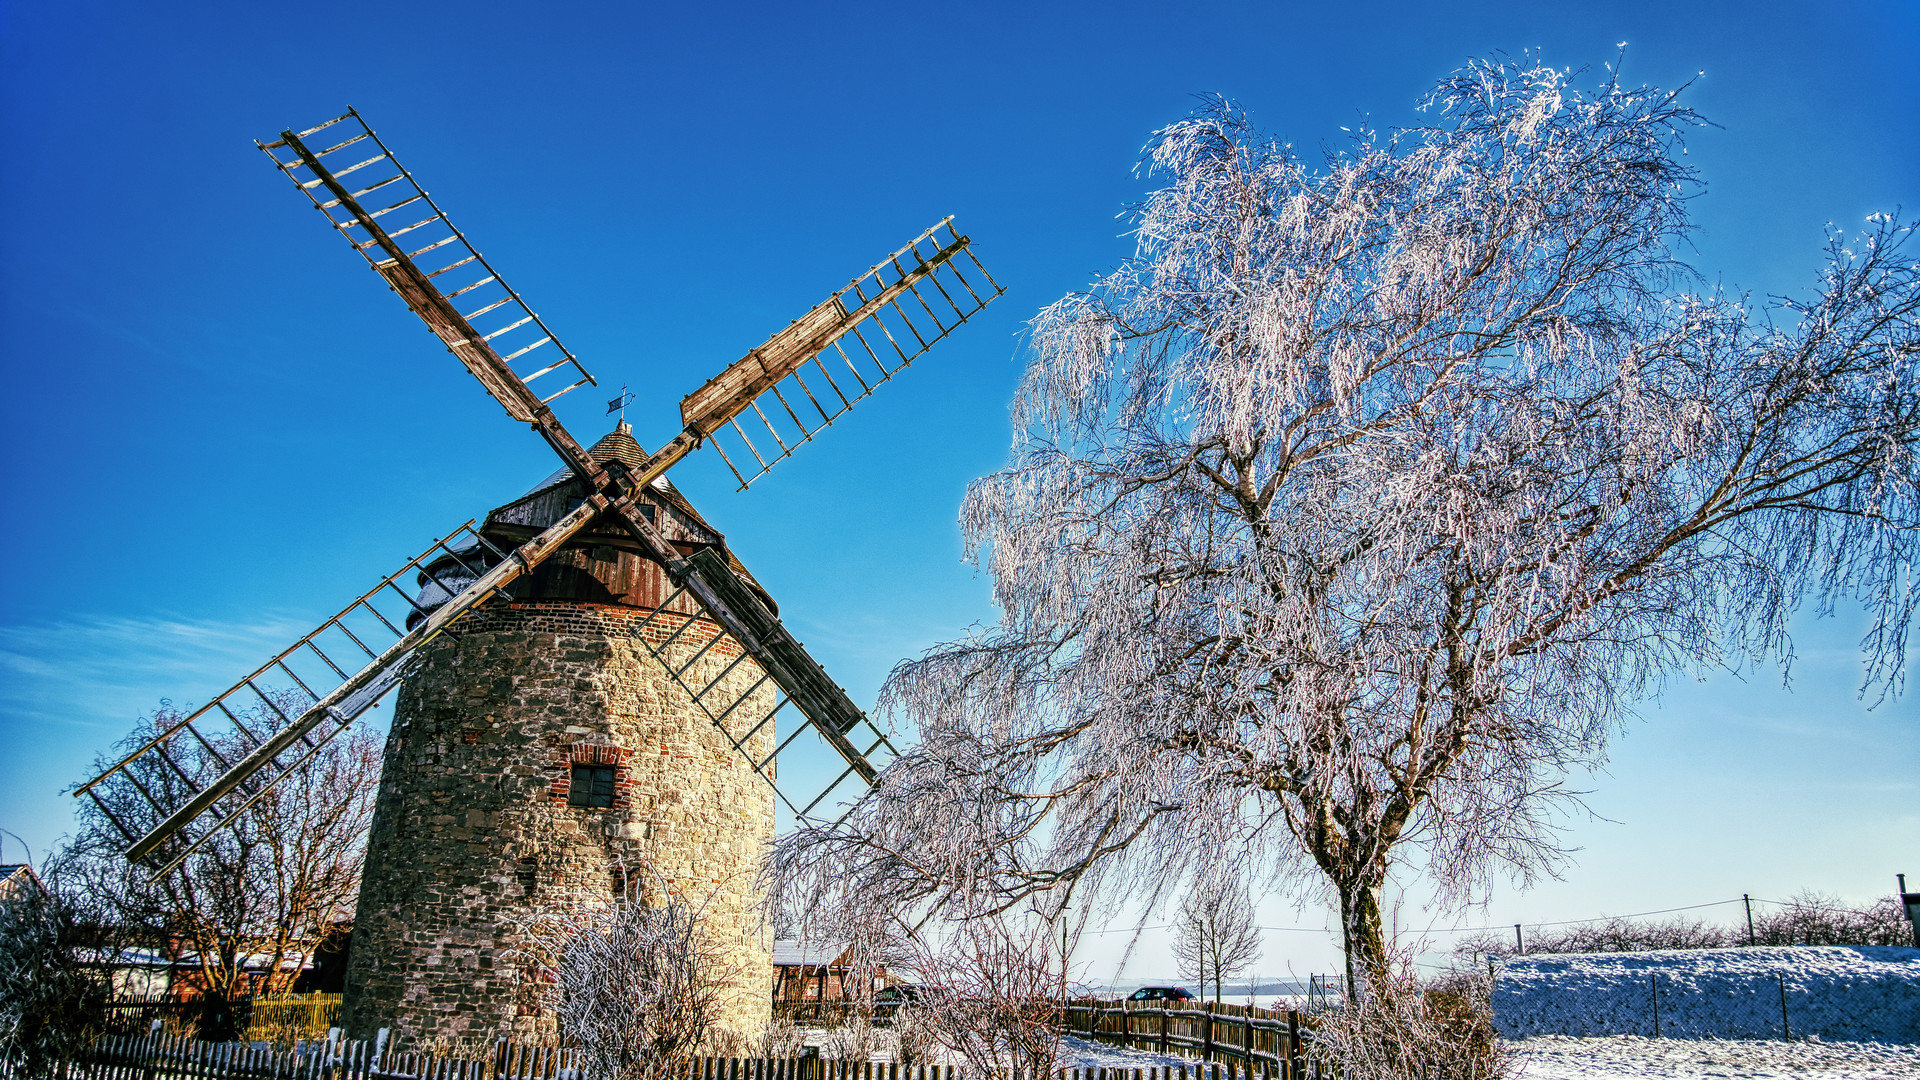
1264, 1041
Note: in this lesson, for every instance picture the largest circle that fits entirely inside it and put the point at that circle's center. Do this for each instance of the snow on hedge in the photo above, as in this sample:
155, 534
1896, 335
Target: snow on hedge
1859, 993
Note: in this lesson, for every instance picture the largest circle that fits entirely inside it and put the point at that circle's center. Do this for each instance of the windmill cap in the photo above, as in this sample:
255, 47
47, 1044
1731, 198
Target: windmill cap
616, 445
620, 445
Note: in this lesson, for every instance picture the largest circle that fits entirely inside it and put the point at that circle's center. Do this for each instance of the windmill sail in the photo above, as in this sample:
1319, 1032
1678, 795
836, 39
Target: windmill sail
304, 696
464, 301
805, 376
824, 707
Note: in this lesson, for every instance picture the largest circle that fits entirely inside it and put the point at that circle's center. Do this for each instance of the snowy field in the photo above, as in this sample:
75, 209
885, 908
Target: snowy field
1861, 993
1620, 1057
1627, 1057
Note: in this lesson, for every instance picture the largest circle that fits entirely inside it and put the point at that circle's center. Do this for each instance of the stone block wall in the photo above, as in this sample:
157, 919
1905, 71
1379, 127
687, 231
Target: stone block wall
472, 826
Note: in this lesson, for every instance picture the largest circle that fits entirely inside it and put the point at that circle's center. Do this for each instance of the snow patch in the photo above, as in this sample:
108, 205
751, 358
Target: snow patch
1078, 1053
1620, 1057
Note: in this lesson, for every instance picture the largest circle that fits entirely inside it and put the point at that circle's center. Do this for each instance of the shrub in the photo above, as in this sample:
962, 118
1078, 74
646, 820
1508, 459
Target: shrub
1401, 1030
53, 1002
1807, 918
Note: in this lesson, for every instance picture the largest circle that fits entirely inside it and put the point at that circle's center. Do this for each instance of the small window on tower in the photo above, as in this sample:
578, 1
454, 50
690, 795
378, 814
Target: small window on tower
592, 786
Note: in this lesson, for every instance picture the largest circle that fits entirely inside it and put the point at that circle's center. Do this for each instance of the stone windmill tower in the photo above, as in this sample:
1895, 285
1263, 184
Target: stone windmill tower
543, 754
590, 681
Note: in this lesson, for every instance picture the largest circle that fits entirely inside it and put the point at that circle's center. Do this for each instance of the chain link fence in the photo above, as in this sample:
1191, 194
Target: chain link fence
1865, 993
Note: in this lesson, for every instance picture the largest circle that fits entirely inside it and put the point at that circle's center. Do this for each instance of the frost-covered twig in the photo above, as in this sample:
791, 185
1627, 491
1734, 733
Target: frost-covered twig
633, 983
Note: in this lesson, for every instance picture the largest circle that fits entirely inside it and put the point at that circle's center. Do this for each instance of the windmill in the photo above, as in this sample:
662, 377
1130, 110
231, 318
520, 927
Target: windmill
588, 674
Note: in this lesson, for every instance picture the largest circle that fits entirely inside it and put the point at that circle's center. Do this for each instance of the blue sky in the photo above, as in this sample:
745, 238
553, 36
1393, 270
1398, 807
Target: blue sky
223, 427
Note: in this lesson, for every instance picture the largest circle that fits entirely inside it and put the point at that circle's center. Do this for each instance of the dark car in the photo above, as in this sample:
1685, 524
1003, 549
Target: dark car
890, 998
1161, 993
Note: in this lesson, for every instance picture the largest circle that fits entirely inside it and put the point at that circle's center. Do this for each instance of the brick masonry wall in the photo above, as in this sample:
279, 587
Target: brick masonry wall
472, 826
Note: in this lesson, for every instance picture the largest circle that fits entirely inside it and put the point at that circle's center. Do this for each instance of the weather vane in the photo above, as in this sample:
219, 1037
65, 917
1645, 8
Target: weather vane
619, 404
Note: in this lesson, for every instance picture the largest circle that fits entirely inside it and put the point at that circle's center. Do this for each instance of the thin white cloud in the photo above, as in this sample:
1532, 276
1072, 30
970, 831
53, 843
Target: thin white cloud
71, 688
99, 672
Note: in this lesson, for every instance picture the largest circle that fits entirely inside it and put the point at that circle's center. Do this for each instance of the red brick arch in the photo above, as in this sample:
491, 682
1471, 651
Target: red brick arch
582, 753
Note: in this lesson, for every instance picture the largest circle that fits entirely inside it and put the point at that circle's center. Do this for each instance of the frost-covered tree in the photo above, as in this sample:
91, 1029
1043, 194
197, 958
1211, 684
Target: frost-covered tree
1214, 936
53, 995
991, 987
1363, 501
268, 889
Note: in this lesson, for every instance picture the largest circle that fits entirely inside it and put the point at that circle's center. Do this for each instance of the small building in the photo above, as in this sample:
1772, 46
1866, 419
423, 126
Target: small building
807, 973
18, 879
137, 974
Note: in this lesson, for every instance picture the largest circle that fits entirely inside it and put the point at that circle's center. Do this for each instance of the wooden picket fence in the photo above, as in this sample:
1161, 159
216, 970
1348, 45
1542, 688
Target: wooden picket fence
165, 1057
1260, 1043
275, 1019
159, 1056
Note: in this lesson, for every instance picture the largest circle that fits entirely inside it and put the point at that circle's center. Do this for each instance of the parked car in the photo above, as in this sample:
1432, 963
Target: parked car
890, 998
1161, 993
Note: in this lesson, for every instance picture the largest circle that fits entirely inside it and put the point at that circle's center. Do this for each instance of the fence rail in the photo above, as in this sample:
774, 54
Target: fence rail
830, 1013
1265, 1041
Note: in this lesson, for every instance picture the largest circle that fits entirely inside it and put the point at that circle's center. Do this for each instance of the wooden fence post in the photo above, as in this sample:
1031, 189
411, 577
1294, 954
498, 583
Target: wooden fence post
1295, 1059
1653, 985
1206, 1032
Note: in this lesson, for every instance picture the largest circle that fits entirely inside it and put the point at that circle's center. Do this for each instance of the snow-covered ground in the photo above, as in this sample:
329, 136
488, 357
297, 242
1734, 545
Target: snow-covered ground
1866, 993
1630, 1057
1616, 1057
1078, 1053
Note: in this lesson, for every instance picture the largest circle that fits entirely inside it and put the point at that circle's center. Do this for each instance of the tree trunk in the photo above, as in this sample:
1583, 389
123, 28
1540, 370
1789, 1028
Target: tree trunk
1366, 948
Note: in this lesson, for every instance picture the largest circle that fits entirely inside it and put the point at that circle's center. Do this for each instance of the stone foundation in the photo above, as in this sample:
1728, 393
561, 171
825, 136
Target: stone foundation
472, 827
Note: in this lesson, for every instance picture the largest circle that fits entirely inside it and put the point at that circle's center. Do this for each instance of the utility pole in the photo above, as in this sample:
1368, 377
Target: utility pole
1748, 900
1910, 903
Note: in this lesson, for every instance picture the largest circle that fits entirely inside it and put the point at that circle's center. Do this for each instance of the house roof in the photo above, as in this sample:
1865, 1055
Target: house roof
15, 876
792, 953
140, 957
